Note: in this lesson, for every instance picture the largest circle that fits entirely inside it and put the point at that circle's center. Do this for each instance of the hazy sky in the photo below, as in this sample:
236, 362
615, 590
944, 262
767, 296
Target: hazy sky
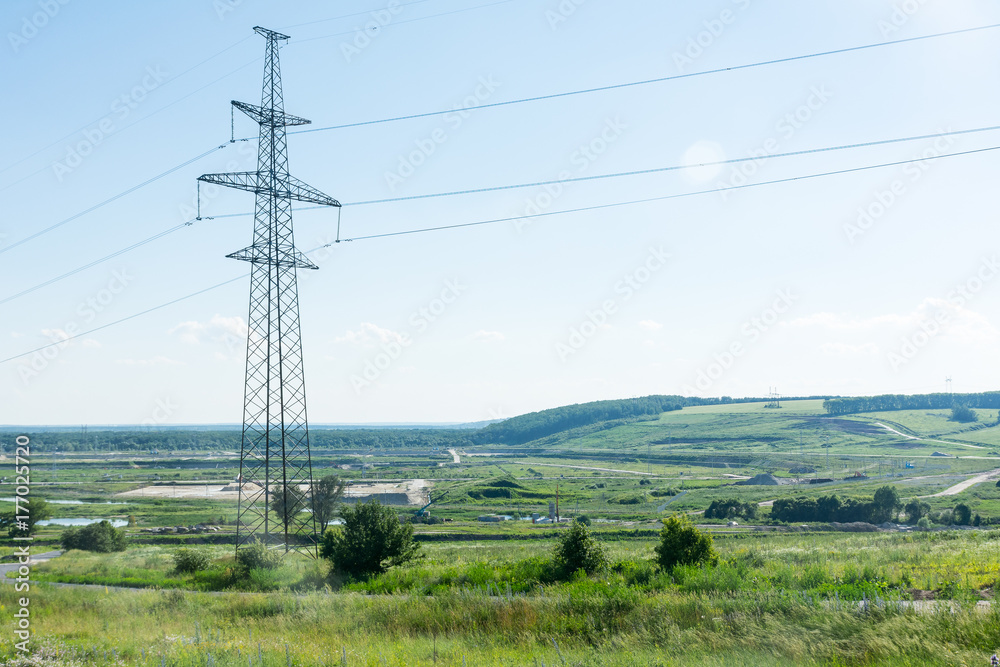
881, 280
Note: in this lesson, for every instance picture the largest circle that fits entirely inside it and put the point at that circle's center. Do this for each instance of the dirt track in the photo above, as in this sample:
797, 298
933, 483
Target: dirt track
417, 491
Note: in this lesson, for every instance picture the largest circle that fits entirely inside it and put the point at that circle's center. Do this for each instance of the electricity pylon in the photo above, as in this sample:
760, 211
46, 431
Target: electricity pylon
275, 463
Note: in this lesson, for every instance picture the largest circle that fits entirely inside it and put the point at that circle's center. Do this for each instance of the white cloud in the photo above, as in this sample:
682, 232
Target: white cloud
371, 335
650, 325
483, 336
217, 329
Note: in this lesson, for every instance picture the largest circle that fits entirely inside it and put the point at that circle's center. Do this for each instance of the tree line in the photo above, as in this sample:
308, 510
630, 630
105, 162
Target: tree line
891, 402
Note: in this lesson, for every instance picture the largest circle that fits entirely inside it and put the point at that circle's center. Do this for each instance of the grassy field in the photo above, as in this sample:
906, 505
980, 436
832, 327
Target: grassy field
782, 600
780, 595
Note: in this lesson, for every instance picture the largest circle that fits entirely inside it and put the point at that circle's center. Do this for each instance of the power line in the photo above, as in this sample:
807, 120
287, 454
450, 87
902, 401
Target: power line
97, 120
122, 251
395, 23
509, 219
665, 197
108, 201
346, 16
125, 319
657, 170
650, 81
809, 151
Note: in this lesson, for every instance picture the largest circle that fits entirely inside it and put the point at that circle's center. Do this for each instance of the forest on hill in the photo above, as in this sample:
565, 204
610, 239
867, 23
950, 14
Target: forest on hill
891, 402
515, 431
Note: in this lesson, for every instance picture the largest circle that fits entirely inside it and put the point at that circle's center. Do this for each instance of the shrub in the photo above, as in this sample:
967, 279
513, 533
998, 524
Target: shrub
101, 537
584, 519
924, 523
964, 414
962, 514
730, 509
256, 556
578, 550
681, 543
191, 560
371, 541
915, 510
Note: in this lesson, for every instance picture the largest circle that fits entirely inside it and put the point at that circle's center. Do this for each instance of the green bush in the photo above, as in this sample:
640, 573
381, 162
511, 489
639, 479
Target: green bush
101, 537
256, 556
963, 414
191, 560
371, 541
578, 550
681, 543
584, 519
962, 514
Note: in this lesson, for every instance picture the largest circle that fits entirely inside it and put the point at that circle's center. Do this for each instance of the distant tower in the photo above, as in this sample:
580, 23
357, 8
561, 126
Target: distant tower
275, 464
947, 384
773, 398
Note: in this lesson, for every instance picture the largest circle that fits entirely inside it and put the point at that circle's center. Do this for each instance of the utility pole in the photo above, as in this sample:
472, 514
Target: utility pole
274, 454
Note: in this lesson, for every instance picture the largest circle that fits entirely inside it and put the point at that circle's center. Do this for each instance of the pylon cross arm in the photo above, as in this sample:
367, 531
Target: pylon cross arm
287, 187
269, 117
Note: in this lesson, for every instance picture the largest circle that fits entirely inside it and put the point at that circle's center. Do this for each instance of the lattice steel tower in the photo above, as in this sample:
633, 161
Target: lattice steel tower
275, 464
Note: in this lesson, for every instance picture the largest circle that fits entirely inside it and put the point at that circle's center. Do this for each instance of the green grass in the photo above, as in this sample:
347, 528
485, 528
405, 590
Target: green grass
777, 601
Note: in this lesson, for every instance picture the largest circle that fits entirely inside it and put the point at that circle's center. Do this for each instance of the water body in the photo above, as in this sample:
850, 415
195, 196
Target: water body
117, 523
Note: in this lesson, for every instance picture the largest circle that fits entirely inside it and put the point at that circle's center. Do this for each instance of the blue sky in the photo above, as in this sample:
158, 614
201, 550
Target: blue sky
872, 281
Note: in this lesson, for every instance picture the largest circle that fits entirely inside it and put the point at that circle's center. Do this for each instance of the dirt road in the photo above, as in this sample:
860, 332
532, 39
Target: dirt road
913, 437
962, 486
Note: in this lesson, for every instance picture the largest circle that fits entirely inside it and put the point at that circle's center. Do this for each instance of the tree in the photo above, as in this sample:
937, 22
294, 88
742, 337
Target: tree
915, 510
287, 511
578, 550
886, 503
21, 522
962, 515
371, 541
964, 414
681, 543
101, 537
326, 493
